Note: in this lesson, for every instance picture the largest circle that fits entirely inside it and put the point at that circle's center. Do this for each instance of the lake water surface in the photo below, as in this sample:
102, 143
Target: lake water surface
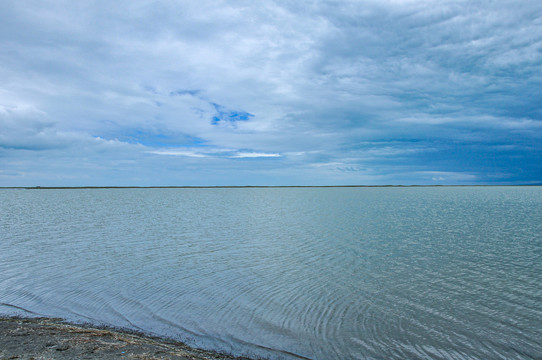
286, 273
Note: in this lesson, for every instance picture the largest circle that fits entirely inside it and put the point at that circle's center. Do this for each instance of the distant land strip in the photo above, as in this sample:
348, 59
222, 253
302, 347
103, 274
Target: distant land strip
247, 186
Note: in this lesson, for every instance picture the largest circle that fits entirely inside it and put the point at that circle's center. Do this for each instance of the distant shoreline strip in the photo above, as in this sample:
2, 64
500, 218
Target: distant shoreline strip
247, 186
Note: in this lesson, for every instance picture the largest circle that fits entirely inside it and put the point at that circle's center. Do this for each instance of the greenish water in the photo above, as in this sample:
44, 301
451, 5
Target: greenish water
320, 273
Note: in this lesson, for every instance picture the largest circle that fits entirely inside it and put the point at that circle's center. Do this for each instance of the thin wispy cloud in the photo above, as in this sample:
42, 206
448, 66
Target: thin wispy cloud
255, 155
150, 93
177, 153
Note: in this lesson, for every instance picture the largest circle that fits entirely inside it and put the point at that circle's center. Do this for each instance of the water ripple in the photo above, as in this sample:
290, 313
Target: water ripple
439, 273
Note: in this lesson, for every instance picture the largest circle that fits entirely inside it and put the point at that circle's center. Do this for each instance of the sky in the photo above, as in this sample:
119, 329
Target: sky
150, 93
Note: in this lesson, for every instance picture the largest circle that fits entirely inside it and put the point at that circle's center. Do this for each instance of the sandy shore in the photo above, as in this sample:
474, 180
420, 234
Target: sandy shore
45, 338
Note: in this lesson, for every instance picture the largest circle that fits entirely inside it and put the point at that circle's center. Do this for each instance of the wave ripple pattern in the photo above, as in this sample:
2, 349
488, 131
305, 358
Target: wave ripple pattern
286, 273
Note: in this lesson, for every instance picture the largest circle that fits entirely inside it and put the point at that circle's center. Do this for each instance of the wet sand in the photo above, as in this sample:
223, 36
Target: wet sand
46, 338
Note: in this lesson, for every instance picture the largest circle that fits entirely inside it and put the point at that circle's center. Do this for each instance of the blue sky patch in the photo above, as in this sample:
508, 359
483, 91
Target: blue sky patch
229, 116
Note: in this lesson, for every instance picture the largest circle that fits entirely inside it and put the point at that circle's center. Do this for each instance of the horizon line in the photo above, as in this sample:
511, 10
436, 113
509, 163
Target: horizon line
251, 186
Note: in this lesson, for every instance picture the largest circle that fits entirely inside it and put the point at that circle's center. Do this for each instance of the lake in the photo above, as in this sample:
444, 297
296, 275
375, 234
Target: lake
286, 273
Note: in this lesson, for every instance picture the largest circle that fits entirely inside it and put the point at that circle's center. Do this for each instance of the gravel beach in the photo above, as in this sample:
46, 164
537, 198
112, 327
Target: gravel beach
46, 338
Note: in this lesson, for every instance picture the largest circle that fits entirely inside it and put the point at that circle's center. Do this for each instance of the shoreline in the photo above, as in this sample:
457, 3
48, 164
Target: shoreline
54, 338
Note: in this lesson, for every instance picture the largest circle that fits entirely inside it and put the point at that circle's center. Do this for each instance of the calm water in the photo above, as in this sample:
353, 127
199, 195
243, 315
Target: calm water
320, 273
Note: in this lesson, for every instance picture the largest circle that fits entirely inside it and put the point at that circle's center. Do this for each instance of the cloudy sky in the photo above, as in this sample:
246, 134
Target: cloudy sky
270, 92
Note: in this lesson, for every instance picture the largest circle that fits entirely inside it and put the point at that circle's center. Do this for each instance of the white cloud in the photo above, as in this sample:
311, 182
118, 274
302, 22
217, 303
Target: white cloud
177, 153
255, 155
447, 176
